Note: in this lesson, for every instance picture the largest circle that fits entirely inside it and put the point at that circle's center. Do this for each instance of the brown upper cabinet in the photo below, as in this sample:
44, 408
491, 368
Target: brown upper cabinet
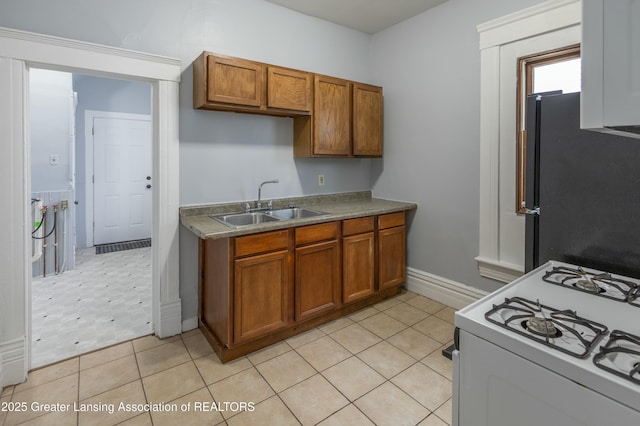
288, 89
346, 121
233, 84
333, 117
234, 81
330, 130
367, 120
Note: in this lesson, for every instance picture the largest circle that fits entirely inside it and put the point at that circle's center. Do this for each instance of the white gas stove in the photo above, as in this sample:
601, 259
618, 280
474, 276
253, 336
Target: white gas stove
558, 346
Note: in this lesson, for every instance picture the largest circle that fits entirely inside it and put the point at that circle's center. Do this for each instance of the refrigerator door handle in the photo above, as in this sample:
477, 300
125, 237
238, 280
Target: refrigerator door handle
534, 211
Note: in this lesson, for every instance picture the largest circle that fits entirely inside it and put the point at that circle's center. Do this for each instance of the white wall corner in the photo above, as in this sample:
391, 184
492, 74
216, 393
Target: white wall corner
189, 324
443, 290
13, 362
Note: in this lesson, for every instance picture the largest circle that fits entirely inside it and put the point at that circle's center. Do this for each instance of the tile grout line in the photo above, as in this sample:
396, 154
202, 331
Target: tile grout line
289, 348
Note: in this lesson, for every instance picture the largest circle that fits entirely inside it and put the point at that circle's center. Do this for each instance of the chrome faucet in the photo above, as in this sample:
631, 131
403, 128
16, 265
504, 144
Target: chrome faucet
259, 203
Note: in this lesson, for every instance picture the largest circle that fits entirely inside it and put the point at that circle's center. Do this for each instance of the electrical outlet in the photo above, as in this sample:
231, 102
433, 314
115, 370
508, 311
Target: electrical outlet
64, 204
320, 180
53, 159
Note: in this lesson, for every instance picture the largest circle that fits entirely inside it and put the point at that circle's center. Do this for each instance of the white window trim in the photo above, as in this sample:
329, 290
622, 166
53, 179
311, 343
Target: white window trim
18, 51
494, 35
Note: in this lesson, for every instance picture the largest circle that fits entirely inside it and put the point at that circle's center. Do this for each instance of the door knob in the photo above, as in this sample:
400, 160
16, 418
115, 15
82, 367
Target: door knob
148, 177
148, 186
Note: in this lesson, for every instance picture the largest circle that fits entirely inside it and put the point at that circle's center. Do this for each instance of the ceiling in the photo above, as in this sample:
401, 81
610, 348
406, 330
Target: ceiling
369, 16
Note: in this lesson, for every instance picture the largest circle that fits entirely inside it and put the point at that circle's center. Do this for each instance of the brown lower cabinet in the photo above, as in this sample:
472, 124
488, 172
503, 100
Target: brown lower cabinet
260, 295
391, 250
317, 270
258, 289
358, 259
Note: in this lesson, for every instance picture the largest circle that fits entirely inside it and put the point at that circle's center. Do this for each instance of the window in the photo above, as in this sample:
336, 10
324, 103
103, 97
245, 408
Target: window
543, 72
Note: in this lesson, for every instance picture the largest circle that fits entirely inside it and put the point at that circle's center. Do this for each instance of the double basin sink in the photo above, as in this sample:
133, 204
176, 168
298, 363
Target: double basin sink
236, 220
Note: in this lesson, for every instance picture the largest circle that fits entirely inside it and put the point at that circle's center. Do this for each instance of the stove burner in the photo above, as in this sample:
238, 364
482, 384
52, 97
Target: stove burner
562, 330
542, 327
620, 356
588, 286
601, 284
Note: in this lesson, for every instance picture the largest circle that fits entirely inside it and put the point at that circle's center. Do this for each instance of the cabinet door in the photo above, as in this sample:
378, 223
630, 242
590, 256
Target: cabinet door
317, 285
261, 295
611, 65
235, 81
331, 116
358, 268
391, 256
367, 120
289, 89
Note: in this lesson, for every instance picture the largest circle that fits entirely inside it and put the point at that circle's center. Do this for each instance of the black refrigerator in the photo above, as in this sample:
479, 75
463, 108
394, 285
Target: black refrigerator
582, 190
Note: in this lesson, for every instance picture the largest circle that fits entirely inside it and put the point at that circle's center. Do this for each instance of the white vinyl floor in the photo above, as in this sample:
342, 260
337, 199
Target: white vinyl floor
105, 300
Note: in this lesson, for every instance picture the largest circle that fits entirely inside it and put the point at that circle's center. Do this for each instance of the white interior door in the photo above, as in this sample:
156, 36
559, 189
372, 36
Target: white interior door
122, 180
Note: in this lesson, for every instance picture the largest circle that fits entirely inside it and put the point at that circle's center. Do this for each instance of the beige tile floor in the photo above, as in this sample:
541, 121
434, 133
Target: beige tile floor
382, 366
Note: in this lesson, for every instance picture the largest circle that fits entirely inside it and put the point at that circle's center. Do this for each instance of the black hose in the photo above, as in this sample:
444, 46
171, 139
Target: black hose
55, 219
39, 226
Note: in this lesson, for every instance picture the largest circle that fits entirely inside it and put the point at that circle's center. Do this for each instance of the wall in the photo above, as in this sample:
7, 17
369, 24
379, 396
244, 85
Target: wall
223, 156
432, 131
429, 67
101, 94
51, 129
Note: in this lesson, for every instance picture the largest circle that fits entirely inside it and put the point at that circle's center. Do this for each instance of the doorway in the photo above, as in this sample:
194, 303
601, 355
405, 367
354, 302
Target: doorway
118, 164
91, 296
18, 49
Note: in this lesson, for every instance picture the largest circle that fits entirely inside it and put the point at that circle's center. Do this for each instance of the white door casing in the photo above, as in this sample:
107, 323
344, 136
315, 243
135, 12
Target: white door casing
18, 51
549, 25
122, 184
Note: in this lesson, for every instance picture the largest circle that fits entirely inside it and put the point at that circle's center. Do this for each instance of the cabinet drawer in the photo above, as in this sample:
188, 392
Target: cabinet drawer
390, 220
357, 226
260, 243
314, 233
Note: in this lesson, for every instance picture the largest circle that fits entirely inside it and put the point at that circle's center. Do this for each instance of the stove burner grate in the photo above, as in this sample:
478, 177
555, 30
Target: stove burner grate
620, 356
562, 330
601, 284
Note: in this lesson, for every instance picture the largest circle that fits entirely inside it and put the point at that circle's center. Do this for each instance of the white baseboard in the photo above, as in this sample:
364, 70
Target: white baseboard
189, 324
499, 271
171, 319
443, 290
13, 362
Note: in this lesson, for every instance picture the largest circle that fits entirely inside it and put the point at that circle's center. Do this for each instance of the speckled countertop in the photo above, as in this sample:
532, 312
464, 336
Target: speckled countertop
338, 206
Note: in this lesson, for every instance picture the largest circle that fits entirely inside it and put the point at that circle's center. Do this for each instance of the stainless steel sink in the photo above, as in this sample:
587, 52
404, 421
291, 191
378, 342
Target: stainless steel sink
295, 213
244, 219
236, 220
